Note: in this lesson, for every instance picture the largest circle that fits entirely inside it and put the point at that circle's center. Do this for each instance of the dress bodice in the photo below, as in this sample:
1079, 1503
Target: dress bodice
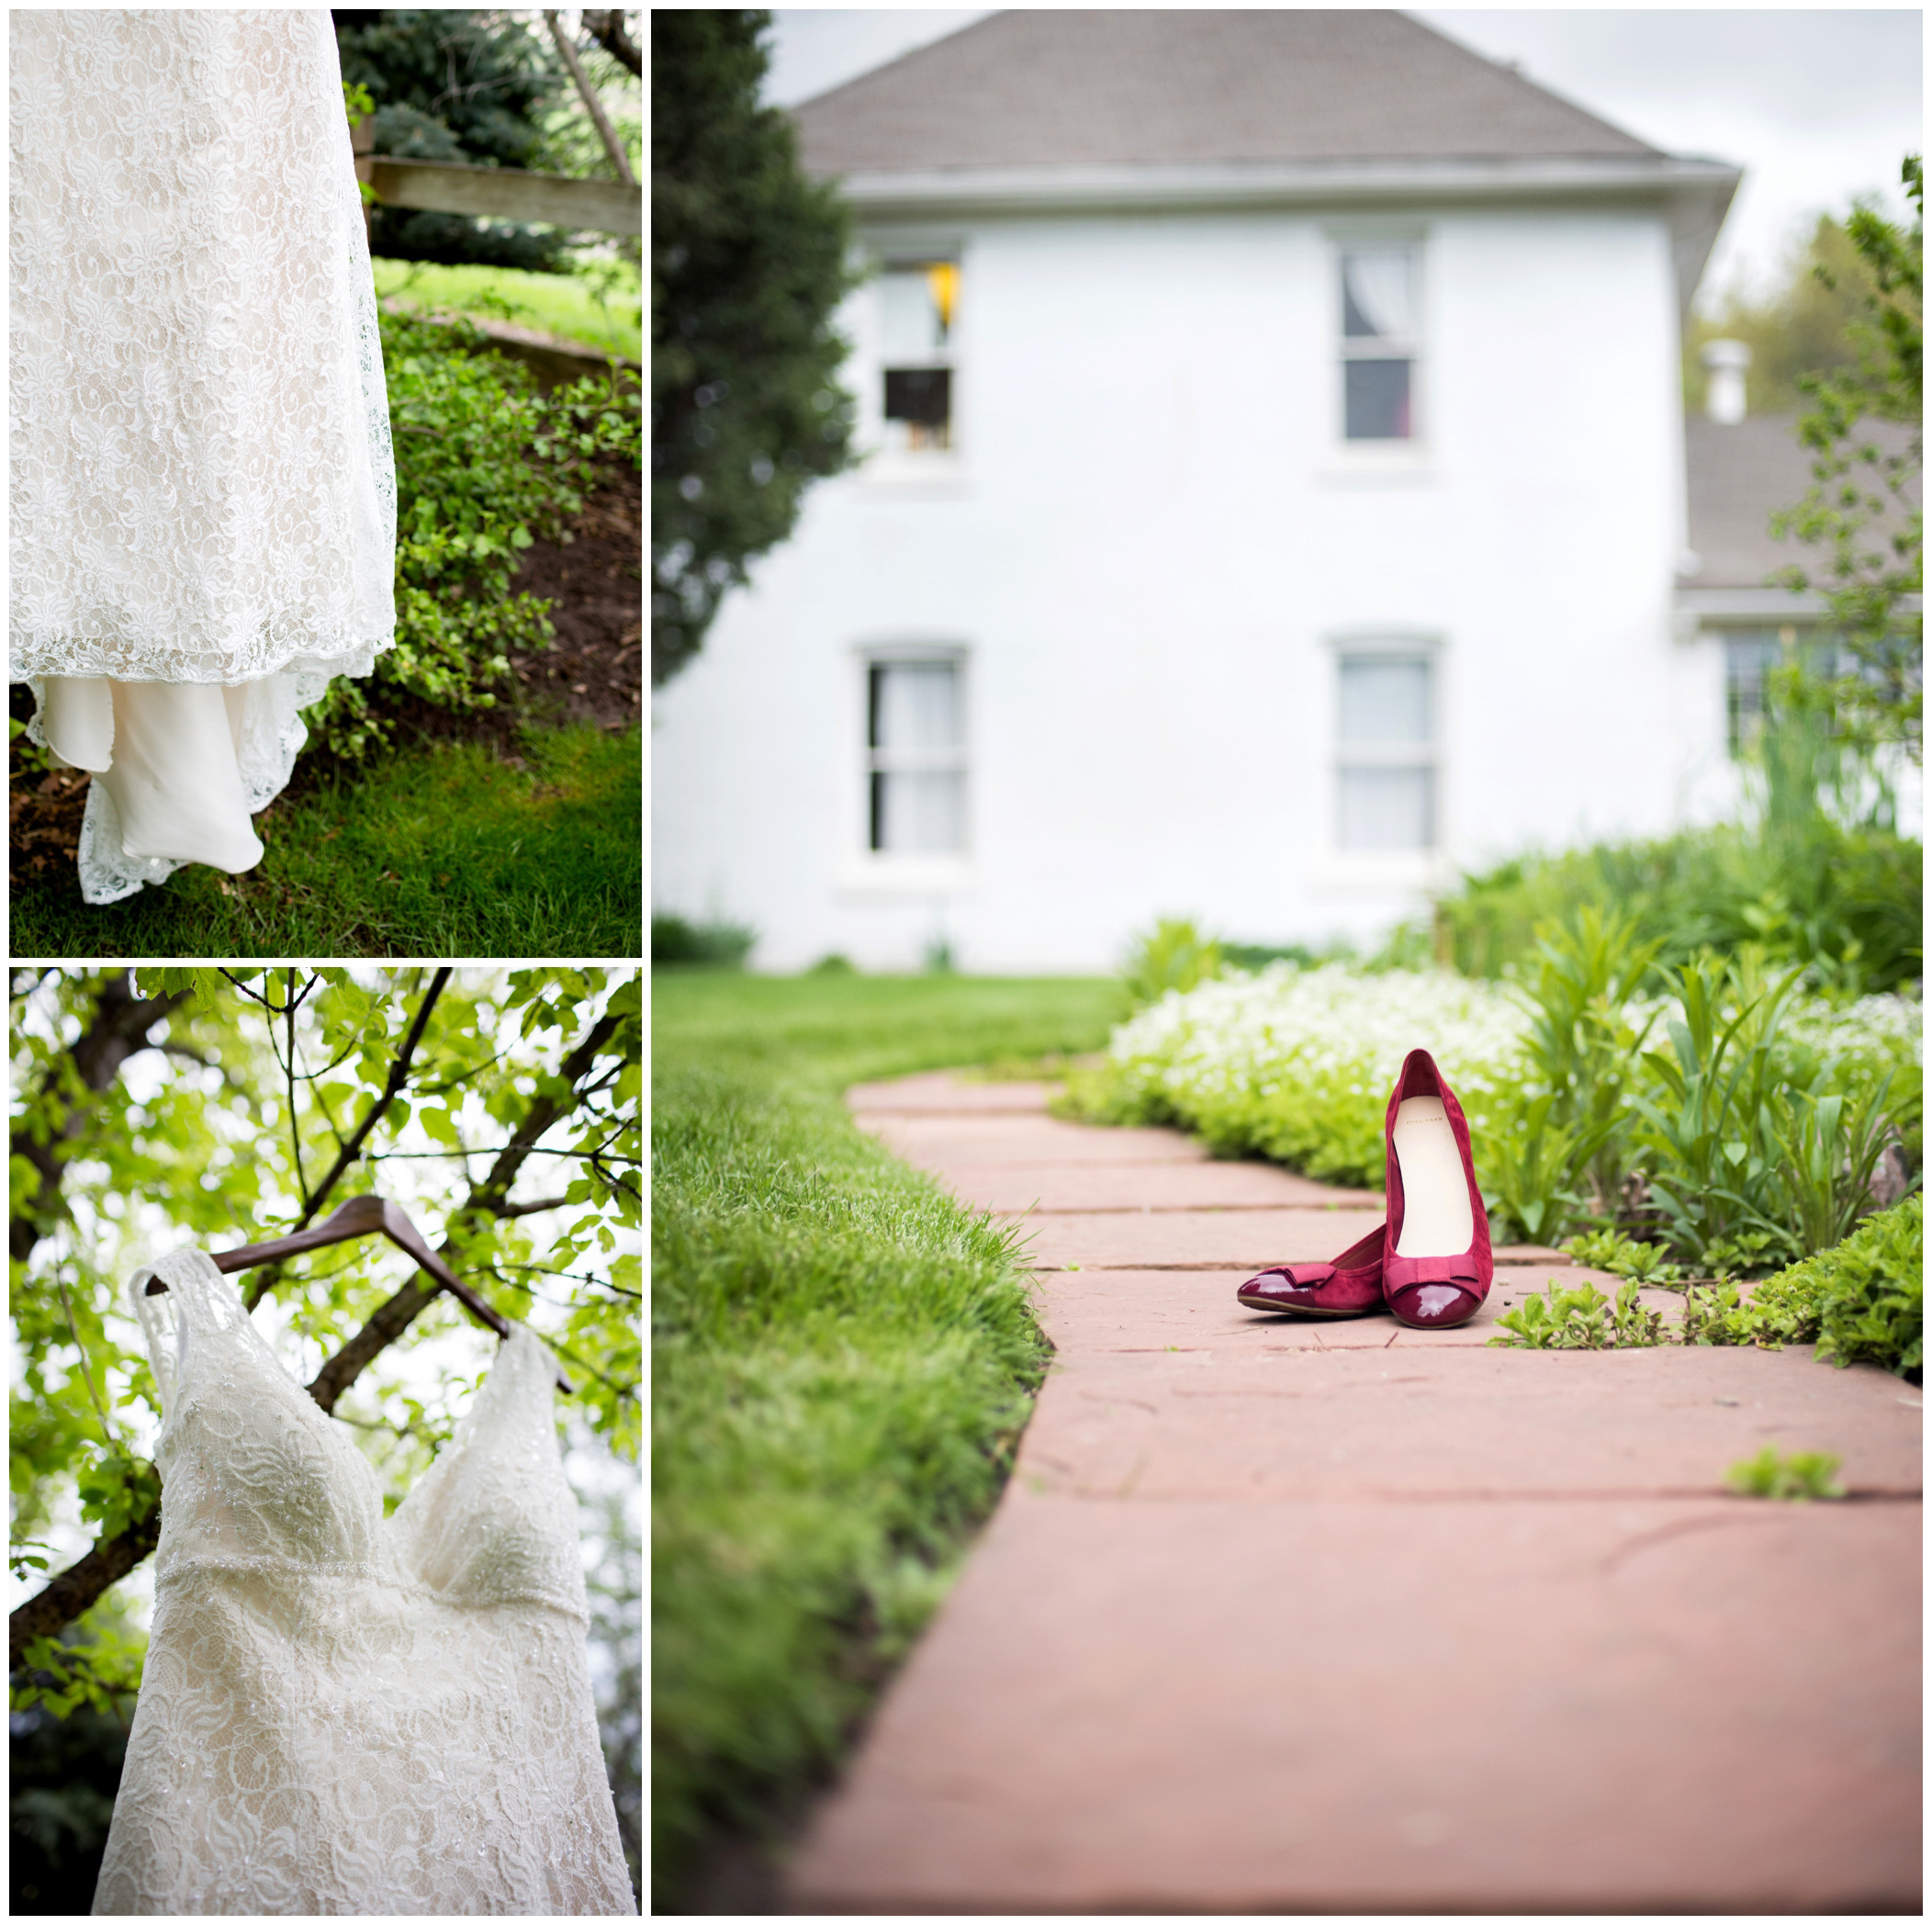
257, 1475
340, 1712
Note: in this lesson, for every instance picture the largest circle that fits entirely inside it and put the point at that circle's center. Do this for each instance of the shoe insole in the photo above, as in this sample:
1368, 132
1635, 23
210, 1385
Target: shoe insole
1435, 1194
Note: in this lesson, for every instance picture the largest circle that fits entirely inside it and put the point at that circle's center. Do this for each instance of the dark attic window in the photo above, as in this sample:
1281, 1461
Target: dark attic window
922, 396
919, 300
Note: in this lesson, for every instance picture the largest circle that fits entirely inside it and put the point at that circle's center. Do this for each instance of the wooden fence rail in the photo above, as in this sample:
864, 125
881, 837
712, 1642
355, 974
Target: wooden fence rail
503, 193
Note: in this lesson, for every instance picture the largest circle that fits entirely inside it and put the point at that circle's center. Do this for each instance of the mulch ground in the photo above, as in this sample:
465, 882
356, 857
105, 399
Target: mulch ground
593, 671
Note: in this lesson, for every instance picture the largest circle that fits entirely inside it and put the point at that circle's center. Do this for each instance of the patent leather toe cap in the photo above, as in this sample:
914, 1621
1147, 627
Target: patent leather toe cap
1435, 1306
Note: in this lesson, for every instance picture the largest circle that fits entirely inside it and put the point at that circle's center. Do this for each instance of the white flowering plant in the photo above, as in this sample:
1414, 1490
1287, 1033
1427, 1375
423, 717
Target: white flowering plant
1589, 1082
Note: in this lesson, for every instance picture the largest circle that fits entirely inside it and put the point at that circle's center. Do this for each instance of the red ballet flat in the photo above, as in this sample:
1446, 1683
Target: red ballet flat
1349, 1287
1437, 1268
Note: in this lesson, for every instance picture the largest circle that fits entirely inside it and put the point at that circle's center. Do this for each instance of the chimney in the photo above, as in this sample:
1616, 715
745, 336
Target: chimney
1725, 363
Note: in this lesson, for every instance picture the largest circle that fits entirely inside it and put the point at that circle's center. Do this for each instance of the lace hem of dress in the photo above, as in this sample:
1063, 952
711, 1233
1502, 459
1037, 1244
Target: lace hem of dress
31, 657
273, 733
256, 1564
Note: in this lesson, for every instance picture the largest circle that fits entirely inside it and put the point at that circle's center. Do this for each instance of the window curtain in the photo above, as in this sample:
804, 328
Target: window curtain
1378, 286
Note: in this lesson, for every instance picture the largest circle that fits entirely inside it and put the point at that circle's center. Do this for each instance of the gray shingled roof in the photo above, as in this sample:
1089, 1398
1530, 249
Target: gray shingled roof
1051, 89
1738, 477
1735, 478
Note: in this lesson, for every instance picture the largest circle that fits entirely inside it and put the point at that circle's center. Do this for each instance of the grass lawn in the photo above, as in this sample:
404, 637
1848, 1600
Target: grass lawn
555, 303
842, 1359
439, 850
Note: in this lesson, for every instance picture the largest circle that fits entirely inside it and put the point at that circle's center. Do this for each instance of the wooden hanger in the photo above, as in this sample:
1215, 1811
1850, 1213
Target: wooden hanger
365, 1216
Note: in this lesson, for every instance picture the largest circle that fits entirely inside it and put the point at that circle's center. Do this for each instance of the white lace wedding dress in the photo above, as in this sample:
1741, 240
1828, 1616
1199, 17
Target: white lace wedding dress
343, 1712
203, 498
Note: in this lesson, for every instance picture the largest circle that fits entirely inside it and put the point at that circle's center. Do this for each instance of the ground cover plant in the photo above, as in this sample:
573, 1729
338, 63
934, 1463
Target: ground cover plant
1860, 1302
486, 465
1796, 1478
842, 1358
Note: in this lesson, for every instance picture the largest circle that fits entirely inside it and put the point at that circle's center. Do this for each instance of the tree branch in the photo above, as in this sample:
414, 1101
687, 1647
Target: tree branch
80, 1584
607, 29
119, 1029
395, 1316
605, 131
525, 1210
399, 1074
68, 1595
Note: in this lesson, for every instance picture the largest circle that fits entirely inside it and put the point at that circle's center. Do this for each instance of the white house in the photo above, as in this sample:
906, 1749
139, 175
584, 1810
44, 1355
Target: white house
1275, 502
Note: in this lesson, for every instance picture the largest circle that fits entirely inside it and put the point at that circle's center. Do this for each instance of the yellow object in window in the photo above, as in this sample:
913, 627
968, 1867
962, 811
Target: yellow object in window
943, 278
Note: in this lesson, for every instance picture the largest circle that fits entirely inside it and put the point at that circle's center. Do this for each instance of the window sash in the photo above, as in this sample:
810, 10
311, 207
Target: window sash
916, 763
1378, 330
1387, 761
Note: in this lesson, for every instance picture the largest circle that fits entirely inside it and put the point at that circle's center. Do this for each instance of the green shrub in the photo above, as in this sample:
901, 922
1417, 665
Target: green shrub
486, 464
1863, 1302
1845, 904
713, 945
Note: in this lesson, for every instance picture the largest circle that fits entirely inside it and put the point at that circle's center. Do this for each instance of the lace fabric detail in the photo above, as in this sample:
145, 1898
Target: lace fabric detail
202, 482
342, 1713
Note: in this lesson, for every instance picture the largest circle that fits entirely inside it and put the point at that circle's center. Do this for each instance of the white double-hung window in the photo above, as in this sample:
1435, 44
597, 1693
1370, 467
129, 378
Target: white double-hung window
1381, 342
916, 755
1386, 763
918, 306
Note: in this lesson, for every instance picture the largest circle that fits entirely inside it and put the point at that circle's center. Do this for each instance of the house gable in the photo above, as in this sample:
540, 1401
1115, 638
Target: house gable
1173, 88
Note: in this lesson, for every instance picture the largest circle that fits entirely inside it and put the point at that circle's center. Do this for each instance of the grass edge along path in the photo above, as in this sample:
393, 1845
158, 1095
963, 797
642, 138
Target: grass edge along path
843, 1358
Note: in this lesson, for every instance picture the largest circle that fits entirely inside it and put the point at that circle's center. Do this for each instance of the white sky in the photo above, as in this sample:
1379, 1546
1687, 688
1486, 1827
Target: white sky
1815, 105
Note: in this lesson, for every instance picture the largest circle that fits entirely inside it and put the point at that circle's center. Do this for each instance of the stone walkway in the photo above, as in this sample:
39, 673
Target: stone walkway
1347, 1617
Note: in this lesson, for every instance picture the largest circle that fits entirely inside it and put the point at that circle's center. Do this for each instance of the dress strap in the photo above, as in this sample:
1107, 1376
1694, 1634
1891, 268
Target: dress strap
198, 1302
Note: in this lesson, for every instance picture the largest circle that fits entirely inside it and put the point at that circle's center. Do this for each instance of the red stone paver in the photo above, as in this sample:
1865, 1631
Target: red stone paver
1232, 1422
1622, 1706
1055, 1188
942, 1093
941, 1142
1092, 1310
1348, 1617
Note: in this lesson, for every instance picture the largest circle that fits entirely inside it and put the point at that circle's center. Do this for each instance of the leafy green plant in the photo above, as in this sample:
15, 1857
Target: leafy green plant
486, 465
1580, 1317
92, 1662
1740, 1256
1796, 1478
1523, 1166
1831, 1140
1862, 1301
1582, 1044
1708, 1125
1174, 954
1609, 1249
1815, 894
